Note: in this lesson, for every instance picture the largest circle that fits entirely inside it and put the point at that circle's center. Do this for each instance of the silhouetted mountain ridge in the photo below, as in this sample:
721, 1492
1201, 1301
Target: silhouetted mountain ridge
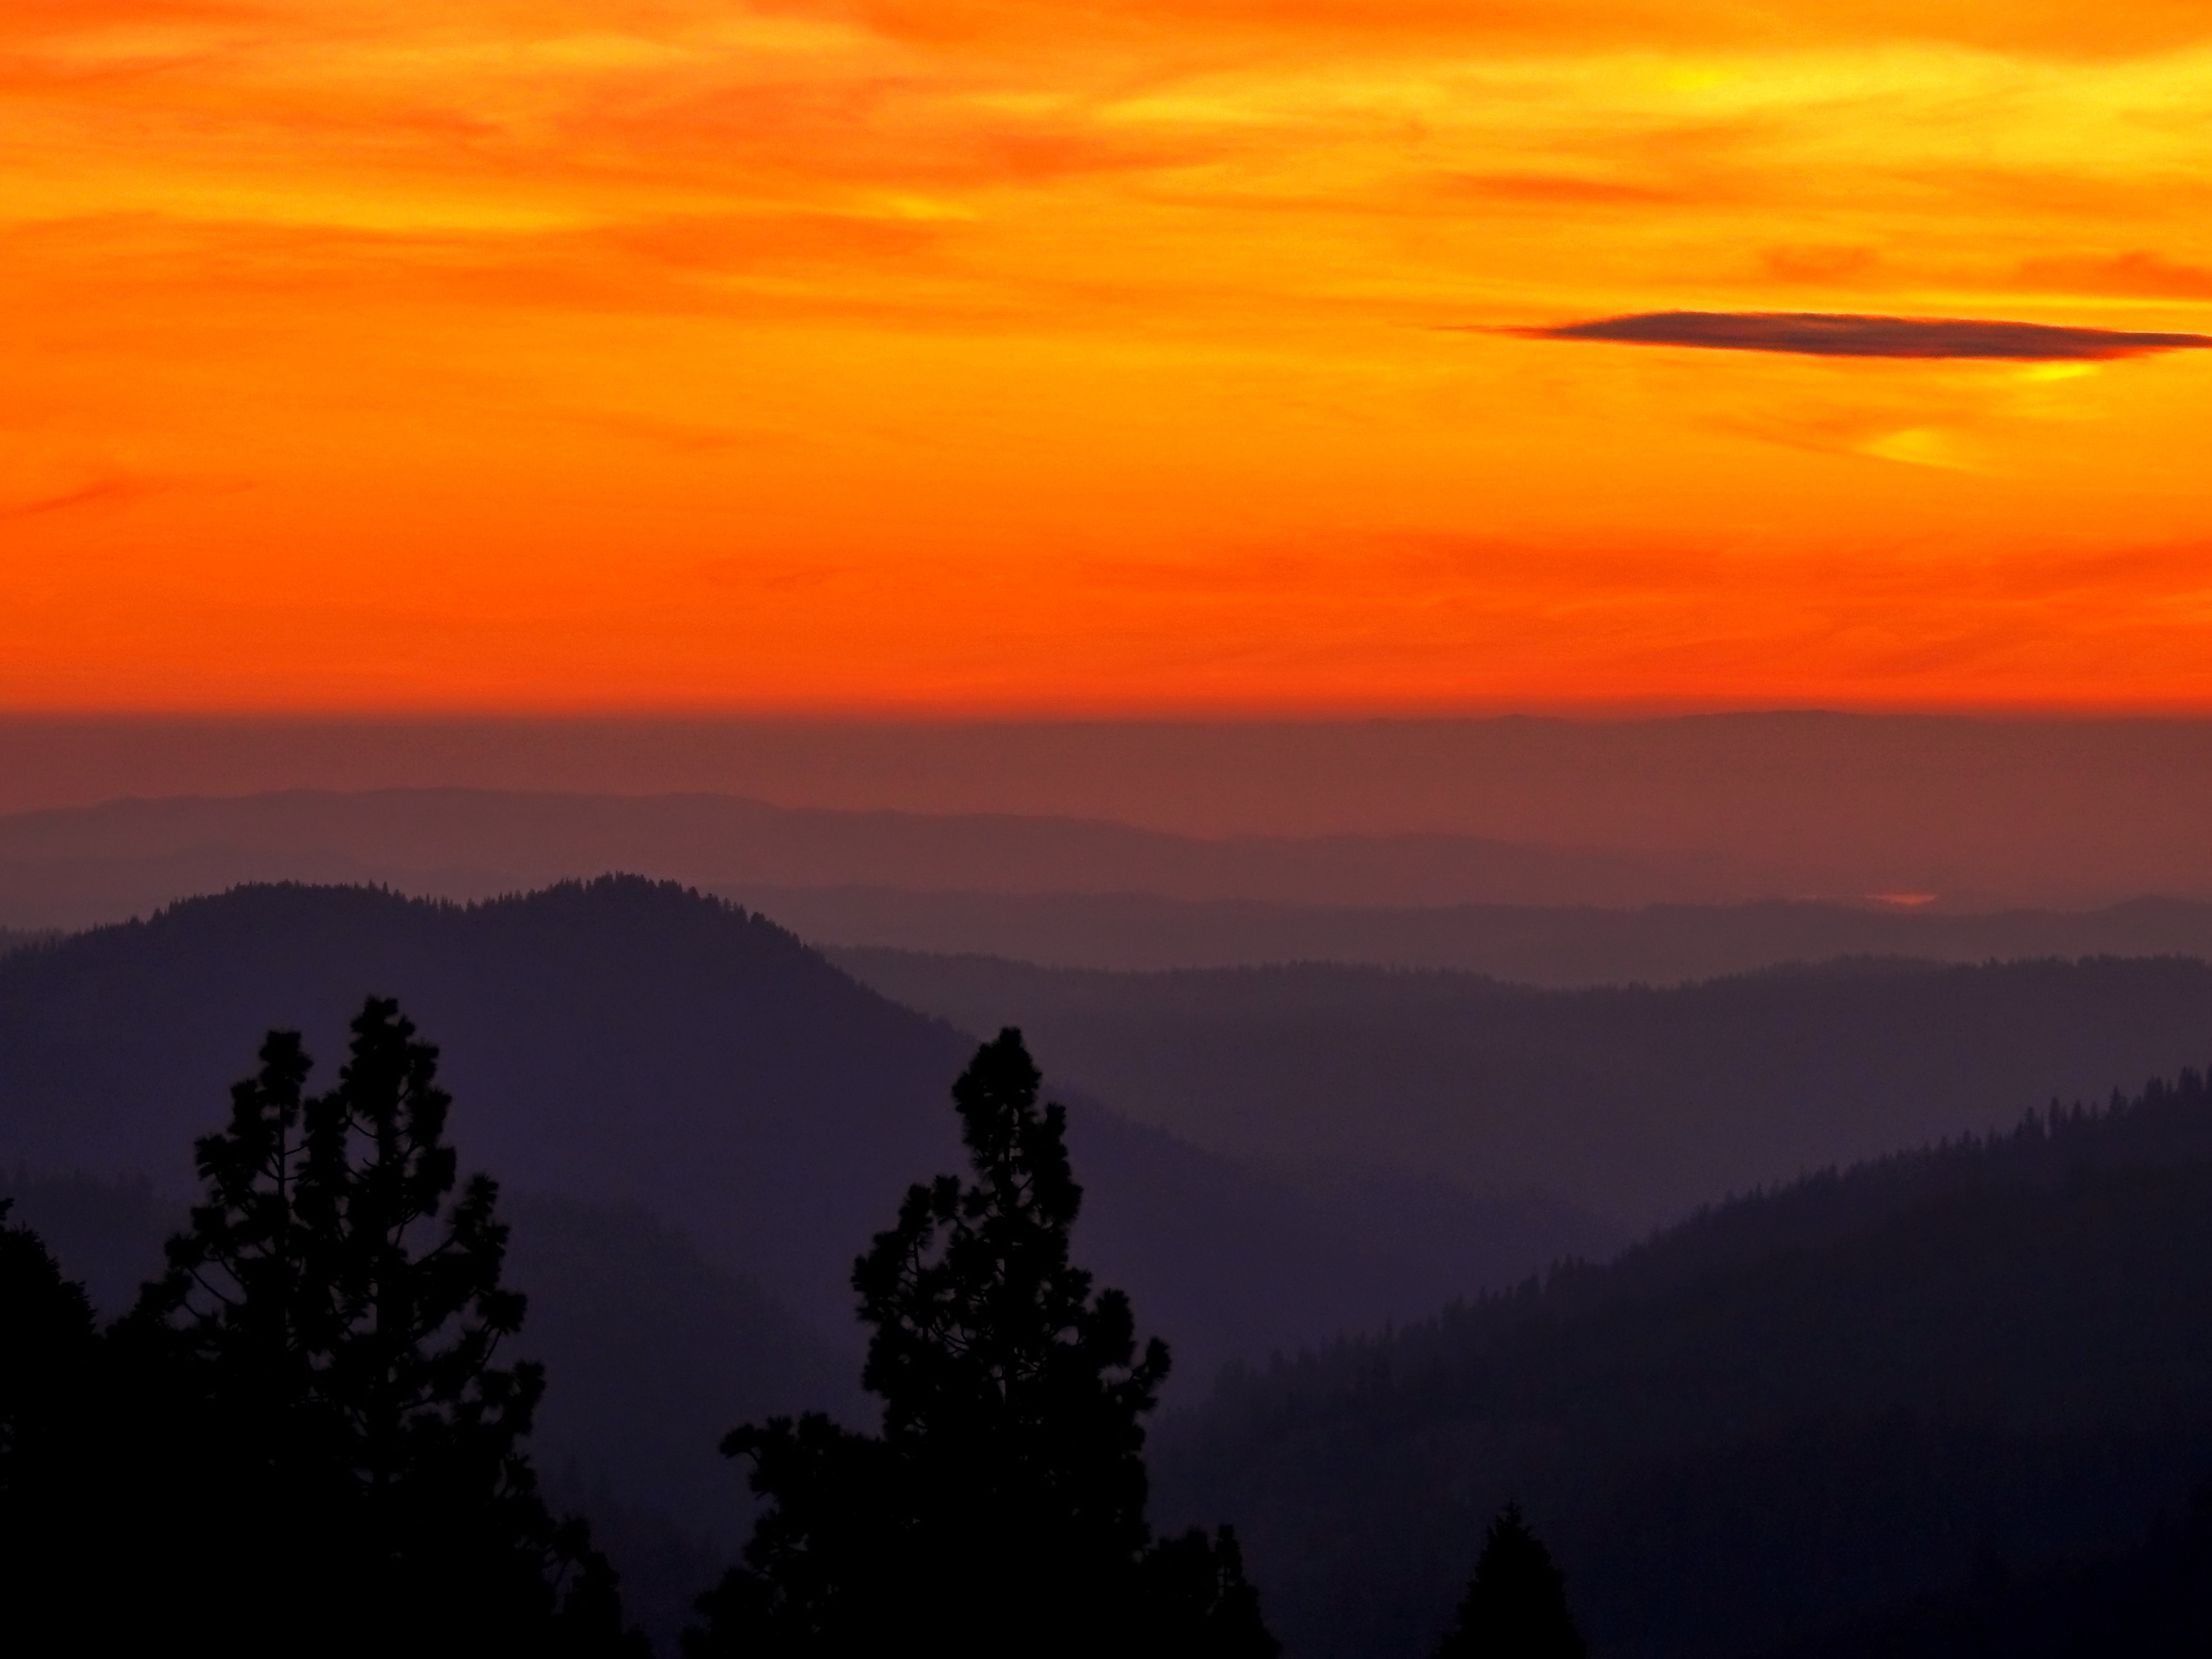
21, 939
624, 1043
72, 866
1633, 1100
1794, 1410
1557, 946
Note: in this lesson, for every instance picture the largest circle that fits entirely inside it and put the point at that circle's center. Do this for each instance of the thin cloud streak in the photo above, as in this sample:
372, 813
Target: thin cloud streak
101, 491
1819, 334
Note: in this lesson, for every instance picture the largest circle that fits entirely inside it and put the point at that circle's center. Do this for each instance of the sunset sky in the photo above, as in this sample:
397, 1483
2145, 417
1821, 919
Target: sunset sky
1152, 355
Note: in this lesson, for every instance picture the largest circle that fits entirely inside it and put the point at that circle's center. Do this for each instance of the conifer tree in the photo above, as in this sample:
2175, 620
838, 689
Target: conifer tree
334, 1321
1001, 1510
49, 1379
47, 1349
100, 1544
1516, 1606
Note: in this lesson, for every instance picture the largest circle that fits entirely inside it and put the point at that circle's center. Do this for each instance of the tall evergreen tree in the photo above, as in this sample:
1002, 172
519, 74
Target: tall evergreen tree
47, 1344
334, 1321
1516, 1606
100, 1543
49, 1381
1002, 1508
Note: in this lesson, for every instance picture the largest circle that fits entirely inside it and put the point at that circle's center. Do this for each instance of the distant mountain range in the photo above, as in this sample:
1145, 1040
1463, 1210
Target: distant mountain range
71, 866
1557, 946
621, 1043
1636, 1103
1058, 891
1785, 1417
1991, 811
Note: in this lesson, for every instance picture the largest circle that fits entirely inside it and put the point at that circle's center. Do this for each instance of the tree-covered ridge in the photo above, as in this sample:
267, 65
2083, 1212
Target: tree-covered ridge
1798, 1407
1795, 1415
13, 940
2167, 1123
624, 1042
1635, 1102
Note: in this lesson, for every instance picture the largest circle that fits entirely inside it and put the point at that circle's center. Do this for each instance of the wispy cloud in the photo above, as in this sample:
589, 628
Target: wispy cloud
1547, 188
1819, 334
2138, 276
99, 493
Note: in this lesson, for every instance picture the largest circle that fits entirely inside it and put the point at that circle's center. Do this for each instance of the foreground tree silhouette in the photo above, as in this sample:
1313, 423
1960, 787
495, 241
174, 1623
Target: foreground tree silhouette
331, 1323
1001, 1510
47, 1346
49, 1384
1516, 1606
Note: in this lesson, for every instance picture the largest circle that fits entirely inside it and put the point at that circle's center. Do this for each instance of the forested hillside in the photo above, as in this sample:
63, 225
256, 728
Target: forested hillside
17, 939
1638, 1103
622, 1042
2151, 1599
1792, 1411
1794, 1416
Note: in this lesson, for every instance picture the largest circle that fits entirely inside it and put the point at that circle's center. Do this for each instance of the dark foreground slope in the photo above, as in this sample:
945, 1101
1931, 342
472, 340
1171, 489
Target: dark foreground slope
627, 1043
1788, 1414
2150, 1600
1634, 1101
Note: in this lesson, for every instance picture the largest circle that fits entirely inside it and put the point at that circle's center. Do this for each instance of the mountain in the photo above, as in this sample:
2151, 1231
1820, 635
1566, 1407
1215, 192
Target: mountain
1768, 1424
626, 1044
2005, 810
1795, 1411
1556, 946
69, 866
1633, 1102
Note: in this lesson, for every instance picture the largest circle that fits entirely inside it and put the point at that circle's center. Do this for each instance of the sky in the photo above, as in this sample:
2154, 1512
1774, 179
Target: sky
1222, 358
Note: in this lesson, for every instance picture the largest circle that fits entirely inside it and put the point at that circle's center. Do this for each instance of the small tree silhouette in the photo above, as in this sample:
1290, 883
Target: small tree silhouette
336, 1323
1516, 1606
1002, 1508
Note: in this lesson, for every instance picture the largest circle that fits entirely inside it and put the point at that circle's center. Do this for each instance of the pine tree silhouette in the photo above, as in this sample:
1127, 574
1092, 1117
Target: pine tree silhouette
1516, 1606
334, 1322
48, 1421
48, 1345
1002, 1508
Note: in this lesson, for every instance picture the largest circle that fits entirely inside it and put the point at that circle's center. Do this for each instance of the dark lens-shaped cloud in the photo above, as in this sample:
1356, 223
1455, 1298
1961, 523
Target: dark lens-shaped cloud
1819, 334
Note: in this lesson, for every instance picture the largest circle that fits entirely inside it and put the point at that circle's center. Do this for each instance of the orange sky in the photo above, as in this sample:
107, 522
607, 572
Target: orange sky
995, 355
